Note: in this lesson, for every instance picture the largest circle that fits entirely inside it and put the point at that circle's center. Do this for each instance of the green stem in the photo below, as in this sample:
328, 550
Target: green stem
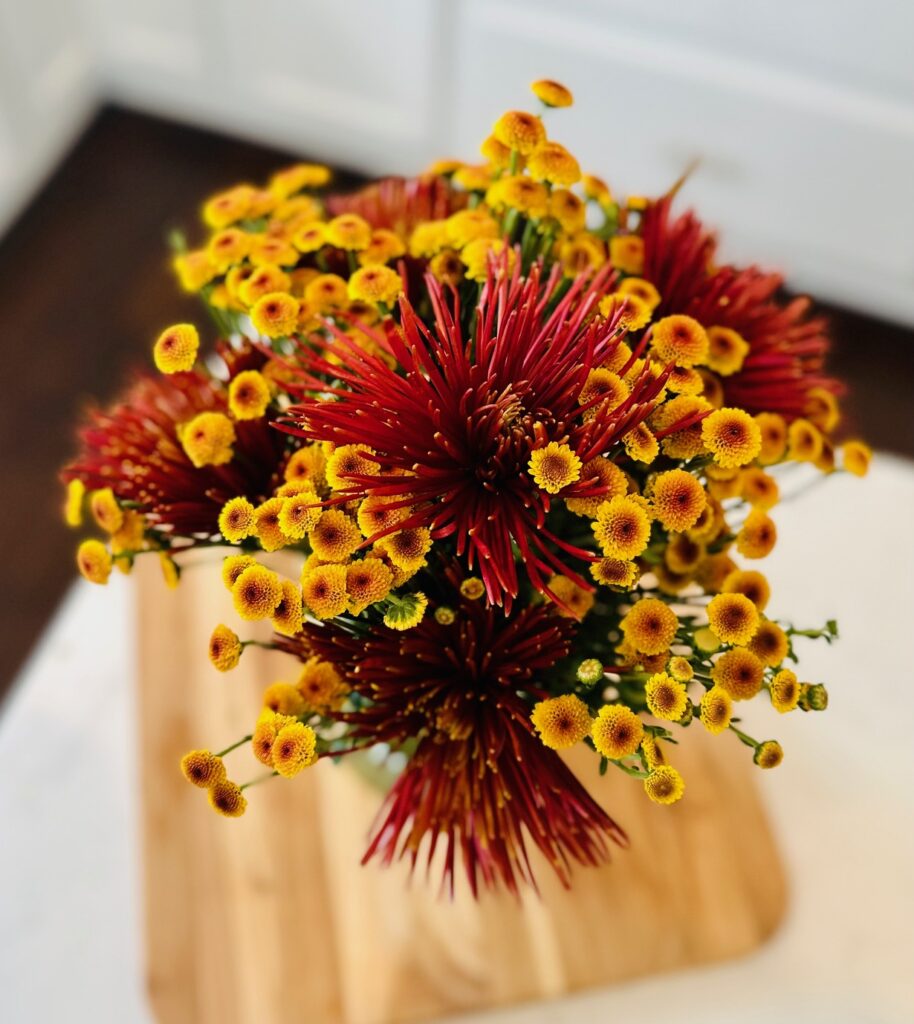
257, 781
748, 740
235, 746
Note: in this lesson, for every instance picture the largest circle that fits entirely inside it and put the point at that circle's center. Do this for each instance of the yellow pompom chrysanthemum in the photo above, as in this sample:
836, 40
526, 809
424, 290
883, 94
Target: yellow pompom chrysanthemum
236, 520
207, 440
202, 768
622, 528
732, 436
733, 617
256, 593
561, 721
650, 627
249, 395
617, 731
666, 697
224, 648
664, 785
227, 799
554, 467
715, 709
94, 561
294, 749
176, 348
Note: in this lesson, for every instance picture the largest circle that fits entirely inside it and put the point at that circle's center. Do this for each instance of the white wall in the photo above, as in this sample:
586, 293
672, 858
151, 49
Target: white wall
47, 92
801, 111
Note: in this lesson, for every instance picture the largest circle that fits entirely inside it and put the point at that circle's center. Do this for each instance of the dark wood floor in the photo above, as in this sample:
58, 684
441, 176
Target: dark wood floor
84, 286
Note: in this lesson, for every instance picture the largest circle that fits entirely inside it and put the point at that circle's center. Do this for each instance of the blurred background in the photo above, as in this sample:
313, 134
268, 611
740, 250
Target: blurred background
118, 117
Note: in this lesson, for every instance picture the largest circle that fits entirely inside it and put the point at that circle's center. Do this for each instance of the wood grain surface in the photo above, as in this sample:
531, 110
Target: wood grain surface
270, 918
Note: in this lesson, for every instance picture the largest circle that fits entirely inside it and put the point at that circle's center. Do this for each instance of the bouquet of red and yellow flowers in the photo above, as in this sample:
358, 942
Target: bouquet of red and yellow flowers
518, 432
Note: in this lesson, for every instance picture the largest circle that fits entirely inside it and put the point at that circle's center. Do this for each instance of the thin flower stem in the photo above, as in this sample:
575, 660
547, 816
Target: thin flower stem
258, 780
234, 746
748, 740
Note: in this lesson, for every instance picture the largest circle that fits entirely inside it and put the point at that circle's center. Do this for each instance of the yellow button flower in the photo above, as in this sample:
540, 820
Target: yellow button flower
233, 566
733, 617
519, 130
768, 754
554, 467
650, 627
785, 691
770, 644
202, 768
375, 284
732, 436
249, 395
349, 231
758, 535
626, 253
615, 572
561, 721
236, 520
324, 591
227, 799
207, 440
666, 697
224, 648
275, 314
256, 593
664, 785
751, 583
677, 499
617, 731
553, 163
716, 710
106, 511
739, 672
367, 582
73, 507
857, 457
299, 514
727, 349
176, 348
294, 749
680, 340
773, 432
94, 561
622, 528
287, 615
552, 93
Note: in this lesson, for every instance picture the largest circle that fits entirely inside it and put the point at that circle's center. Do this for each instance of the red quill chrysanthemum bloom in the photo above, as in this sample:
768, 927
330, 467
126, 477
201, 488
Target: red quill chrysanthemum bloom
399, 204
479, 782
454, 423
134, 449
787, 345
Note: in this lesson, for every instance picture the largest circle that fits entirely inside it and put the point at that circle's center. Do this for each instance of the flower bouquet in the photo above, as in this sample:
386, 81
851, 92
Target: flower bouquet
518, 434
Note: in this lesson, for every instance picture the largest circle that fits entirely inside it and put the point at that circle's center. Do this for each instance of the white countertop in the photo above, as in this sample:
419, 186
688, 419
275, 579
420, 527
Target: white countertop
842, 803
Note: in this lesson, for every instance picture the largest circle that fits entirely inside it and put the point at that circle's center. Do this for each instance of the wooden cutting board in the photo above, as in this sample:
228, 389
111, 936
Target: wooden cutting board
270, 919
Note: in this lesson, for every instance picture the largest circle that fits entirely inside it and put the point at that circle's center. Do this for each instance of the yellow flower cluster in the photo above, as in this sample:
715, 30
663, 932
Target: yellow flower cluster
659, 516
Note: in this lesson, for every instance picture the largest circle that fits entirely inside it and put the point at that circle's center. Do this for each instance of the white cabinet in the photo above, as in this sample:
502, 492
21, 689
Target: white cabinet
801, 112
46, 93
801, 116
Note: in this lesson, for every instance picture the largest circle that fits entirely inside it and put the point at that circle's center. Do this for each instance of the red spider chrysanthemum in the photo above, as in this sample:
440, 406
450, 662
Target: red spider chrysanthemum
134, 449
399, 204
787, 346
454, 423
479, 782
